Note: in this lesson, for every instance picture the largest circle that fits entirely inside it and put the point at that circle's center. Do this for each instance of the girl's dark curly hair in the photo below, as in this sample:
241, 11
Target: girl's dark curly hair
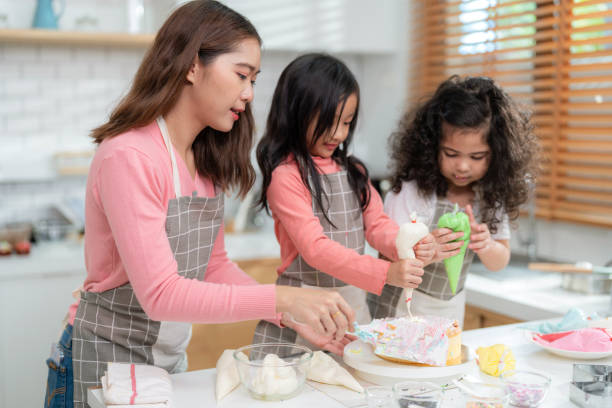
310, 89
470, 102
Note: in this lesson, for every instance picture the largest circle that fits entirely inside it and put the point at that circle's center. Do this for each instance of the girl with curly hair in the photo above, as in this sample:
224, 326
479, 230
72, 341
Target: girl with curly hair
322, 202
472, 145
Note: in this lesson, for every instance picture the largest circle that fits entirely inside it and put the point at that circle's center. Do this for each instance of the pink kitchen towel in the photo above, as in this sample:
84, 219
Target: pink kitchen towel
589, 339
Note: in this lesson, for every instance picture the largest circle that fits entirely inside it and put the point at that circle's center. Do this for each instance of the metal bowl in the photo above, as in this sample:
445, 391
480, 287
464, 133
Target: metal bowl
588, 283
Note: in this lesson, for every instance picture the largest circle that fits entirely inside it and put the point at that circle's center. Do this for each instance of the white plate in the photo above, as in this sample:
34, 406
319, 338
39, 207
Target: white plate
359, 356
575, 355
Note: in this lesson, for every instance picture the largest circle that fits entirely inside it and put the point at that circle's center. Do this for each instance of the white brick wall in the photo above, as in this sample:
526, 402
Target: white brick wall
50, 99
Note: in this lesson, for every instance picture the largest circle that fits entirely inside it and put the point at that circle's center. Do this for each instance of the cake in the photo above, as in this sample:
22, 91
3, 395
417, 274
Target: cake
418, 340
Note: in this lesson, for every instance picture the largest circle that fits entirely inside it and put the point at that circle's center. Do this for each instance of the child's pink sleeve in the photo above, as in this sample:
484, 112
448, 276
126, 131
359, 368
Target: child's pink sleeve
130, 193
380, 230
291, 204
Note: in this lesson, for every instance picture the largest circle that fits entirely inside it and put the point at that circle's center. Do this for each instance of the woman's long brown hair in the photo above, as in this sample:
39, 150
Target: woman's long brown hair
208, 29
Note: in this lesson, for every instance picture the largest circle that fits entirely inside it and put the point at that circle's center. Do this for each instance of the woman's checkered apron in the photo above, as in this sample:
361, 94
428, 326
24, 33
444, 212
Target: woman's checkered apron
435, 280
344, 211
112, 326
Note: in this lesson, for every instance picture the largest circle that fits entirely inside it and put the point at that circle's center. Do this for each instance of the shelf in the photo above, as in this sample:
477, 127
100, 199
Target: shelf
55, 37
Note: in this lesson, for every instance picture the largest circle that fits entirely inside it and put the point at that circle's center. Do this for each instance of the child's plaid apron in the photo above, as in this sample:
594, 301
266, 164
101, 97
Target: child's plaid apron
344, 211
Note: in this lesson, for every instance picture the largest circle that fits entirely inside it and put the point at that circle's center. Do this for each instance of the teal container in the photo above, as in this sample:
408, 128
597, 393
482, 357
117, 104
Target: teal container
45, 17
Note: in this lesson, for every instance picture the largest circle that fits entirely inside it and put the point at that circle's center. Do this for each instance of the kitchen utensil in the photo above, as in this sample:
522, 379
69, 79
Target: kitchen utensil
479, 394
273, 371
379, 397
360, 356
591, 386
579, 267
45, 17
581, 277
52, 230
408, 236
16, 232
408, 394
526, 388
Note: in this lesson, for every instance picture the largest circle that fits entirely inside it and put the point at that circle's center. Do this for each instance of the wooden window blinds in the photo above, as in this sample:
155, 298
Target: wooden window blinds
555, 57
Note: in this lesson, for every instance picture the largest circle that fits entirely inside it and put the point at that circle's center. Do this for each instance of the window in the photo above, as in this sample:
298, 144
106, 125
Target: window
555, 57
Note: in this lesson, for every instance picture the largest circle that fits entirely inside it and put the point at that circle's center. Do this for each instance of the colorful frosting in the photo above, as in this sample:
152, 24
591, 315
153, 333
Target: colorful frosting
419, 339
496, 359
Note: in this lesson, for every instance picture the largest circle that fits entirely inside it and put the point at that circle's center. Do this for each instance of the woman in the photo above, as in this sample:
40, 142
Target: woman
154, 211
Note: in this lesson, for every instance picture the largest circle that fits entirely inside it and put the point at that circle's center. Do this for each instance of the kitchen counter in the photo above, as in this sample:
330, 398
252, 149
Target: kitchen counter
196, 388
527, 295
62, 258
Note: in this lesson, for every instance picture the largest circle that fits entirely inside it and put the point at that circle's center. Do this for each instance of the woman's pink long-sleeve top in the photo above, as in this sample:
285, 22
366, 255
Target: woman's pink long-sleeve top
299, 231
128, 189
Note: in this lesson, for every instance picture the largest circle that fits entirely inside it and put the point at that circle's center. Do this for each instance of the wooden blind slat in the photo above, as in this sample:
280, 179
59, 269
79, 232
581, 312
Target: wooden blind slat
579, 181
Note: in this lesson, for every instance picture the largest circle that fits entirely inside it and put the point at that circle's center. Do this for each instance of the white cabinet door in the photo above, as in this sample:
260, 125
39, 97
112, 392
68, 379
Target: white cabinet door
31, 312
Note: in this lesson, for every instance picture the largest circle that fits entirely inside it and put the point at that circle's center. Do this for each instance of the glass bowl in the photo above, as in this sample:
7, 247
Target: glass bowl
526, 388
410, 394
273, 371
485, 395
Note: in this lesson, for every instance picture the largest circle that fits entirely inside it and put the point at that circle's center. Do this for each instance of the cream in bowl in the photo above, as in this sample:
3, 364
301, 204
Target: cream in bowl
273, 371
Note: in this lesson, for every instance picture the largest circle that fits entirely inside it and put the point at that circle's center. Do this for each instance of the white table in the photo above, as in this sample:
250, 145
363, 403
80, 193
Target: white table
196, 388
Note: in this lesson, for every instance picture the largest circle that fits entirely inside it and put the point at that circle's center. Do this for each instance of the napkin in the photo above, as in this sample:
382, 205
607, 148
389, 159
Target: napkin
136, 385
589, 339
227, 373
574, 319
325, 369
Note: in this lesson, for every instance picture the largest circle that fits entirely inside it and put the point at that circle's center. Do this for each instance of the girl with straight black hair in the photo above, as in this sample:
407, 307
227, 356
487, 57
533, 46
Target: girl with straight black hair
323, 204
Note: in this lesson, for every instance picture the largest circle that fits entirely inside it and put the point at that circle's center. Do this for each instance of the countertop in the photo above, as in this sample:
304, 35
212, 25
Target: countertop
196, 388
61, 258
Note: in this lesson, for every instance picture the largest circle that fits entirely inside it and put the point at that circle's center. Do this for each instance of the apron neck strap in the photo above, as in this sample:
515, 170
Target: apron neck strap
175, 174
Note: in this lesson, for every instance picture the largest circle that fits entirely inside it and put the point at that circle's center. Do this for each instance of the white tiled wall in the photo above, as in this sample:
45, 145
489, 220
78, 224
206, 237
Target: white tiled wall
50, 99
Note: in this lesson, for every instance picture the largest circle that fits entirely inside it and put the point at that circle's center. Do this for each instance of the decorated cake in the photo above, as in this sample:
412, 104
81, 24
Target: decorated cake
419, 340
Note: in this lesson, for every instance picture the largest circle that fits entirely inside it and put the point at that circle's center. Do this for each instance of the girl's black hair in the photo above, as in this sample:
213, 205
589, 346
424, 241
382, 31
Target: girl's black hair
310, 89
471, 102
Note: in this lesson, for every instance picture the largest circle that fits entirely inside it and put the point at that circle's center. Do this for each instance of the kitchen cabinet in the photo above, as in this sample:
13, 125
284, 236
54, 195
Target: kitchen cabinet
351, 26
31, 311
478, 318
209, 340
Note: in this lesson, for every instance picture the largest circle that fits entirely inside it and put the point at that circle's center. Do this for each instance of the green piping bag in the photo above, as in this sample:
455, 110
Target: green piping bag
456, 221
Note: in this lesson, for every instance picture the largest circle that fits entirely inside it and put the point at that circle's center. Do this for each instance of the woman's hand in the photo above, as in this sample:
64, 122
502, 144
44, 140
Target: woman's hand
425, 249
480, 237
325, 342
445, 244
405, 273
324, 311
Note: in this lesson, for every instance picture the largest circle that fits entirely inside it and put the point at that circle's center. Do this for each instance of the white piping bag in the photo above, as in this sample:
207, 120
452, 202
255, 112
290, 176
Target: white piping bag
409, 234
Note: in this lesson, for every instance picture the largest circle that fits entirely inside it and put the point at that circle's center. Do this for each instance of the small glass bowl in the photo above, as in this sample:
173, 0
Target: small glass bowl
379, 396
417, 394
526, 388
273, 371
485, 395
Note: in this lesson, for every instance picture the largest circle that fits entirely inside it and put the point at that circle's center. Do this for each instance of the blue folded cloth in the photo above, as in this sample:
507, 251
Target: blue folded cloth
574, 319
